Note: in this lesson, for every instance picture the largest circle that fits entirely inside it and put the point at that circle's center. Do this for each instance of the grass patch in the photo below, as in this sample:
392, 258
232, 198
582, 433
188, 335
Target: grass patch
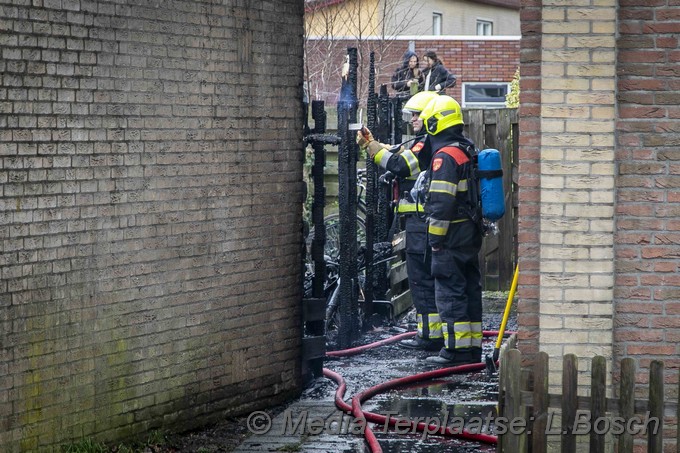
88, 445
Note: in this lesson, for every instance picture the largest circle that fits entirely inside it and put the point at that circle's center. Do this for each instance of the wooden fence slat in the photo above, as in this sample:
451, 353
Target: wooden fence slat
655, 436
598, 401
506, 258
398, 273
502, 372
475, 118
314, 309
539, 439
524, 385
627, 402
583, 403
512, 396
569, 398
514, 176
677, 418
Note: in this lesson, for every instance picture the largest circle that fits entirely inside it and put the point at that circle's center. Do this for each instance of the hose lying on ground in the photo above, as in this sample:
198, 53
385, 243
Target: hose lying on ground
394, 339
356, 410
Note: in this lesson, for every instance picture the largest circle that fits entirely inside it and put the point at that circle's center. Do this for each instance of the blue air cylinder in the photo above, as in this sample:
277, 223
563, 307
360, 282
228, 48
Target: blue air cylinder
490, 173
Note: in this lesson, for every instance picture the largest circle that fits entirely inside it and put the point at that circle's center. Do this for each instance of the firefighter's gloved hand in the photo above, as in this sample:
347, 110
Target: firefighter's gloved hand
361, 140
366, 141
373, 147
364, 136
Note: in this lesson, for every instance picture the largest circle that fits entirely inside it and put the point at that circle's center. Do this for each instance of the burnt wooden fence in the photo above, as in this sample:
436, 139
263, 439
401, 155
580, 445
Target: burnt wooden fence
399, 294
585, 422
487, 128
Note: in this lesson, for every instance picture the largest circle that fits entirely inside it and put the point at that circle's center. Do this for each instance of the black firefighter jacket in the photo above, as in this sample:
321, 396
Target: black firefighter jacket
448, 205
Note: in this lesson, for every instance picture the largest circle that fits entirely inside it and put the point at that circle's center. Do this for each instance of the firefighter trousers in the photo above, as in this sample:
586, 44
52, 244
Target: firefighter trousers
420, 280
458, 295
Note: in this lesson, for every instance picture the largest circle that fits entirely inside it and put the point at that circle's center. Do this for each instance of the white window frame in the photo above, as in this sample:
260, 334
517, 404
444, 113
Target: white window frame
484, 23
478, 104
437, 22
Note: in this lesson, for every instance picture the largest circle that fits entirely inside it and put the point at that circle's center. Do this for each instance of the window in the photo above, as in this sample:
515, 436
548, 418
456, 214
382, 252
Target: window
485, 94
484, 27
436, 23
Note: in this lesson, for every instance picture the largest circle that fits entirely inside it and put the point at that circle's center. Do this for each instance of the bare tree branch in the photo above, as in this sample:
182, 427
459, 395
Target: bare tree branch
356, 22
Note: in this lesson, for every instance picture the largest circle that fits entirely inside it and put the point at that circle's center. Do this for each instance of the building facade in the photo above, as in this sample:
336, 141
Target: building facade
476, 61
393, 18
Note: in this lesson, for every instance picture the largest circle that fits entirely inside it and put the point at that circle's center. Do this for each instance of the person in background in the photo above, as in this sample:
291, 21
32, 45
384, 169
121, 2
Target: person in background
407, 164
435, 76
455, 239
408, 77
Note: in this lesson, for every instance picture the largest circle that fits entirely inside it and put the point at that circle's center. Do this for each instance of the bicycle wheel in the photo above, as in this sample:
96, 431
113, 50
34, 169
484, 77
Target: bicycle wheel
332, 247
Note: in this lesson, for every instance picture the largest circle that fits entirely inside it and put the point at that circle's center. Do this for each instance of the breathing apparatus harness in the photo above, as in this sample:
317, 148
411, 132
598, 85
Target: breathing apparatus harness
473, 206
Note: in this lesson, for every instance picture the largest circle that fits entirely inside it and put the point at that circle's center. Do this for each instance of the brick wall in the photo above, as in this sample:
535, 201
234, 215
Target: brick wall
469, 59
150, 214
647, 248
599, 179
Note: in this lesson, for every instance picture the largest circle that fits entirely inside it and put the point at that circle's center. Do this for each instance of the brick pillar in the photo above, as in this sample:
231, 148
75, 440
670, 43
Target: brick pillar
529, 177
576, 233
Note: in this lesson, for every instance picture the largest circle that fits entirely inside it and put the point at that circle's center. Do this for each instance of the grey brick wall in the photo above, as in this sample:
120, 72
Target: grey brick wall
150, 214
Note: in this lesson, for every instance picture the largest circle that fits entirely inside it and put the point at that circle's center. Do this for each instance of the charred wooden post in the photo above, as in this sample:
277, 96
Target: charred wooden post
314, 308
371, 195
348, 308
396, 105
319, 200
383, 190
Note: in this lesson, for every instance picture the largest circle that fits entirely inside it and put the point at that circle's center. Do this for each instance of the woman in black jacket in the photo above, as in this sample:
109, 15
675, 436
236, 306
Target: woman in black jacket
436, 76
408, 76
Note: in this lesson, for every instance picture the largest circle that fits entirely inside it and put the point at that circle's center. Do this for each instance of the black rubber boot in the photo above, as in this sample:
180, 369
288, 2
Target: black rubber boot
451, 358
422, 344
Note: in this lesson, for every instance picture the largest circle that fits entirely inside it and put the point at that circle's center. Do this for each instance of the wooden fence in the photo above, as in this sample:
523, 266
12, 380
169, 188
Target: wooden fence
487, 128
499, 129
586, 421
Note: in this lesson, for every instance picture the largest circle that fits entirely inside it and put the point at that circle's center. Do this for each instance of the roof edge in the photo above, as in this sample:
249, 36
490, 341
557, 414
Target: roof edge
511, 4
312, 5
427, 38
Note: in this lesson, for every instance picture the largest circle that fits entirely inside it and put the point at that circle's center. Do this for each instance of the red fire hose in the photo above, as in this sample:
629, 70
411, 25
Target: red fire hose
394, 339
356, 410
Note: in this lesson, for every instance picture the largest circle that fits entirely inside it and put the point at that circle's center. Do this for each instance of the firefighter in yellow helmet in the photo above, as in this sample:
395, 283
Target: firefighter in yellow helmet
454, 238
407, 164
